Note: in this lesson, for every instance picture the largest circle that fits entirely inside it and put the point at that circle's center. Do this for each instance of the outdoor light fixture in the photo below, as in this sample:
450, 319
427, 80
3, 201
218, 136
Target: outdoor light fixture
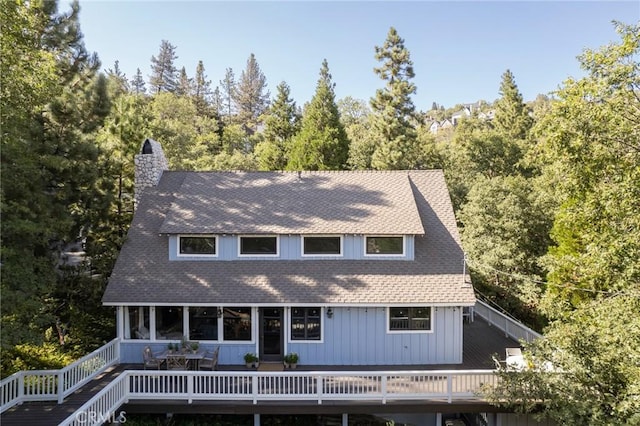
330, 313
220, 312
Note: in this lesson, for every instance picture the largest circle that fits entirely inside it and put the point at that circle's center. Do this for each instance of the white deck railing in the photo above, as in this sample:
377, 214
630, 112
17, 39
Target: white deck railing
315, 386
511, 328
52, 385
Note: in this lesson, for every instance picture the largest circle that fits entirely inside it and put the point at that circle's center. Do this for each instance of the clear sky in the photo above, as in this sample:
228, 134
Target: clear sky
459, 49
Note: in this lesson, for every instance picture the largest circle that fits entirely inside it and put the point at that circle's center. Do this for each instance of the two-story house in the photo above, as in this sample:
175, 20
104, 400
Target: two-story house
341, 267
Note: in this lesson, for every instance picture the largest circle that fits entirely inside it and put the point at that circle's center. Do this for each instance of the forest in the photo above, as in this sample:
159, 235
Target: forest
546, 192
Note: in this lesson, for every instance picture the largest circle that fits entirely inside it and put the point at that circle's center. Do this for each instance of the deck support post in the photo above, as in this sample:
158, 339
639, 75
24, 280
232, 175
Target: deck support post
256, 420
345, 419
438, 419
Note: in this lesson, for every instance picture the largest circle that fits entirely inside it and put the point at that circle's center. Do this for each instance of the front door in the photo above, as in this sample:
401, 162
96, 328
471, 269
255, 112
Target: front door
271, 334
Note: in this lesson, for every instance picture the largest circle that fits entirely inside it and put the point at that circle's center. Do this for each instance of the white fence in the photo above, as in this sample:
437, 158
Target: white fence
52, 385
315, 386
509, 326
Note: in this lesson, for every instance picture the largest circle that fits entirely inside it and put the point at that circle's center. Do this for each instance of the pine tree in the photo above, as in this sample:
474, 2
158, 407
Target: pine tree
511, 114
184, 85
250, 94
322, 142
393, 110
117, 80
281, 125
51, 195
137, 83
228, 87
163, 76
201, 90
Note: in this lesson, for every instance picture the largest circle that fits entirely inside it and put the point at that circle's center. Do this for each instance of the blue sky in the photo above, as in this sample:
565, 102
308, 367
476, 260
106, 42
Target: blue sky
459, 49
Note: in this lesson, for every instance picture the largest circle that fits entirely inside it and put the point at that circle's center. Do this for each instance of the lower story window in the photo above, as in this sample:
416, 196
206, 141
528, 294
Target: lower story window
137, 323
305, 323
410, 319
203, 323
237, 323
169, 323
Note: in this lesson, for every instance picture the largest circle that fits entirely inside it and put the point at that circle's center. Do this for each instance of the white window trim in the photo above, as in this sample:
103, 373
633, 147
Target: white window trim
404, 246
323, 319
431, 321
183, 255
303, 254
277, 237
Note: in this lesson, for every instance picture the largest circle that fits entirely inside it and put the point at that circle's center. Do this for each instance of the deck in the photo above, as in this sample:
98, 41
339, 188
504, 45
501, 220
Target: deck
480, 342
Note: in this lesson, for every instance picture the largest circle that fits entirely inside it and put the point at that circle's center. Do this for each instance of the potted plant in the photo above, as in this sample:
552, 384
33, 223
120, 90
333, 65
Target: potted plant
194, 347
170, 347
251, 360
291, 360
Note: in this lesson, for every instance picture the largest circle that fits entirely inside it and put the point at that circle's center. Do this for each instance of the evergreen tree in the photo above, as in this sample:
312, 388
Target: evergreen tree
281, 124
184, 85
250, 95
511, 114
49, 175
393, 110
201, 91
216, 101
163, 76
137, 83
117, 80
228, 87
322, 142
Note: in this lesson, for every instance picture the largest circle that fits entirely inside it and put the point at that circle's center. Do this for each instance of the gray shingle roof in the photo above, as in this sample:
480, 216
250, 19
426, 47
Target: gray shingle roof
143, 273
292, 203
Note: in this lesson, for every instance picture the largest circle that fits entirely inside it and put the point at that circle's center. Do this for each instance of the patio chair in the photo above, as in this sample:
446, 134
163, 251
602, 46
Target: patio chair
150, 359
210, 360
176, 362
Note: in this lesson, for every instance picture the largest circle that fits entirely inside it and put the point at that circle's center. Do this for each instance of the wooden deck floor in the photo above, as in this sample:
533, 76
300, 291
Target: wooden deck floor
480, 342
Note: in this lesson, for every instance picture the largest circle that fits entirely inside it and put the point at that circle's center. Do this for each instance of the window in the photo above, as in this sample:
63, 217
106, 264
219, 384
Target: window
385, 246
137, 322
197, 246
410, 319
203, 323
321, 246
169, 323
237, 323
259, 246
305, 323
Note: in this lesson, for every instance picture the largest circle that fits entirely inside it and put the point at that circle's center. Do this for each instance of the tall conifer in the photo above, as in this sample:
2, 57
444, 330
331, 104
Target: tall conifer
511, 114
251, 95
164, 74
322, 142
393, 110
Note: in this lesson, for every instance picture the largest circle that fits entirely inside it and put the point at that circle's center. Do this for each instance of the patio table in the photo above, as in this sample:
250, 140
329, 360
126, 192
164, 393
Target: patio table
193, 357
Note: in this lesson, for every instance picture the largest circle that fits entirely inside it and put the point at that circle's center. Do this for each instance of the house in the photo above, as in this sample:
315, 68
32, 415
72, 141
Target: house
359, 273
341, 267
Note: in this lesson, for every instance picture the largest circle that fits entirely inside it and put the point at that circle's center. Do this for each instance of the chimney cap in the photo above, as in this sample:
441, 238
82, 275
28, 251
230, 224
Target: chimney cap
147, 148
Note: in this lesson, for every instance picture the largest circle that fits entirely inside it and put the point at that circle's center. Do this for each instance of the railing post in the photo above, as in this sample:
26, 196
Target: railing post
254, 381
384, 388
190, 379
320, 385
60, 386
20, 387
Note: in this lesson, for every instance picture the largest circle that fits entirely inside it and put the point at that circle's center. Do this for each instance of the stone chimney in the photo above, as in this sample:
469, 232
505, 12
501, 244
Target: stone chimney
149, 165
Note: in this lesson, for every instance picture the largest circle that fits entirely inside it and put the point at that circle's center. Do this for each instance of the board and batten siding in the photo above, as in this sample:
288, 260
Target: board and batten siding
359, 336
290, 248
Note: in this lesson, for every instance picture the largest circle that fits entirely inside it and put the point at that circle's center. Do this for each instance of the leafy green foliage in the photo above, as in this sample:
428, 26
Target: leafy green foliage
164, 74
511, 114
585, 371
250, 94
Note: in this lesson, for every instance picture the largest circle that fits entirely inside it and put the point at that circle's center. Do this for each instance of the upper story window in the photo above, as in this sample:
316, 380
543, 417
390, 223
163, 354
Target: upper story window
259, 246
384, 246
410, 319
322, 246
197, 246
